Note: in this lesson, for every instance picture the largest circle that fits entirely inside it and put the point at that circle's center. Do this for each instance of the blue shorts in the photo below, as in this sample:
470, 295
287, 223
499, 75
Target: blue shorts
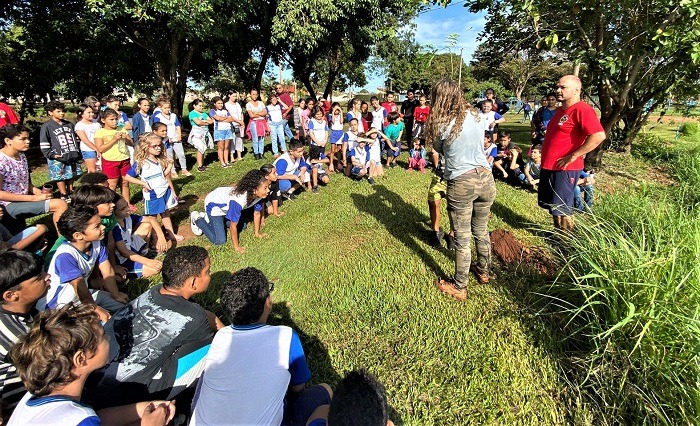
133, 269
61, 171
285, 184
157, 205
356, 170
556, 191
89, 155
223, 135
336, 137
299, 407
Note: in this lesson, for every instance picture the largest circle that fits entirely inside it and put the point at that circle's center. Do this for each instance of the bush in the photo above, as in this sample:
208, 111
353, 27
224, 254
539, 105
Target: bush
690, 129
630, 295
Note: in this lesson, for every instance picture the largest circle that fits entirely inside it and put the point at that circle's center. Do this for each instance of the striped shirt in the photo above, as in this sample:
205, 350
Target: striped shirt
12, 327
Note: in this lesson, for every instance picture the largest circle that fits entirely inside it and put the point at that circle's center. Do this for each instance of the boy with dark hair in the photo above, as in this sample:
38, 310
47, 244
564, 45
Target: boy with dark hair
55, 358
161, 338
61, 147
75, 260
255, 373
22, 282
359, 399
291, 169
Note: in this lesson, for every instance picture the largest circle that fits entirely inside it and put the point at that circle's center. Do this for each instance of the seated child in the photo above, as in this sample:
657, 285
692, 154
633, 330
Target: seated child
272, 202
359, 399
513, 161
585, 186
504, 147
530, 177
255, 373
436, 192
32, 239
74, 262
131, 238
359, 159
417, 156
55, 358
22, 282
160, 339
318, 171
232, 207
291, 169
19, 198
490, 148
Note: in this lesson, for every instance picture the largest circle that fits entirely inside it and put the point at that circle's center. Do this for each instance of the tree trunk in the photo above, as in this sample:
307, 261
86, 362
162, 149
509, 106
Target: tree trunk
261, 68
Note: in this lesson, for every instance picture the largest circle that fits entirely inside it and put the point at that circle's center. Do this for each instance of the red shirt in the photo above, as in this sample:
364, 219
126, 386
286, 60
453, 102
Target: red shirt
284, 97
389, 107
7, 115
566, 132
420, 114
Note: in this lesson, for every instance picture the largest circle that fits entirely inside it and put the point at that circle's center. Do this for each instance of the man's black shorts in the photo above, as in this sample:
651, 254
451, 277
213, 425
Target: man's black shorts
556, 191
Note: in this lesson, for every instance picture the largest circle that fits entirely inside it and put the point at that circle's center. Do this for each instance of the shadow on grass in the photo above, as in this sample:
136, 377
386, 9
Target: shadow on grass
399, 218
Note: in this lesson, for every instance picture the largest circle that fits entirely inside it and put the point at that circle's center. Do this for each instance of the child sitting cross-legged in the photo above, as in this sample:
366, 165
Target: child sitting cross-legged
74, 262
132, 236
255, 373
54, 360
232, 207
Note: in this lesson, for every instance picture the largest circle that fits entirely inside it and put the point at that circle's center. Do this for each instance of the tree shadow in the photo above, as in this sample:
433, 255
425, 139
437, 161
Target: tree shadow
389, 209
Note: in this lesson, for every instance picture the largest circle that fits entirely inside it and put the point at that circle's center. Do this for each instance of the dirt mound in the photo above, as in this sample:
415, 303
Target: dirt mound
511, 253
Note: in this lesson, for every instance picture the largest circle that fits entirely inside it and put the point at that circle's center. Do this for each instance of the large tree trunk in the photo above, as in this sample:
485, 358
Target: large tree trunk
261, 68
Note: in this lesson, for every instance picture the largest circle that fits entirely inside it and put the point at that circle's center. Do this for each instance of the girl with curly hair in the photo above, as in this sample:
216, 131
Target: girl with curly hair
453, 129
232, 207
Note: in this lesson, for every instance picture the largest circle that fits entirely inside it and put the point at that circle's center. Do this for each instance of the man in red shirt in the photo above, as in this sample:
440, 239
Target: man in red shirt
572, 132
286, 112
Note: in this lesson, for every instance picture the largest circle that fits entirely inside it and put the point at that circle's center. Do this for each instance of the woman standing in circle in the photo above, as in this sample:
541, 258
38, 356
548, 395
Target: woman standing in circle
454, 130
258, 124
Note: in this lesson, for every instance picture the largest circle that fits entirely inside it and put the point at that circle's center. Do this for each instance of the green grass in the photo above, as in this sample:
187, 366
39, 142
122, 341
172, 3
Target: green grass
354, 276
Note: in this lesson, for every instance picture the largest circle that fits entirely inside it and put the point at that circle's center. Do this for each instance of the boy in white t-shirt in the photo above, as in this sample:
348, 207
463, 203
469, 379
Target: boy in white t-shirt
255, 373
490, 118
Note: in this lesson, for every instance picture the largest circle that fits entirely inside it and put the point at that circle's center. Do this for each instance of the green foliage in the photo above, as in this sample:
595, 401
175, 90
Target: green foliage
690, 129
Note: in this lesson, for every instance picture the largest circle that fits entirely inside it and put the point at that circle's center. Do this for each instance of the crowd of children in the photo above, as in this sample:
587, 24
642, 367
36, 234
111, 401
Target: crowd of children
70, 333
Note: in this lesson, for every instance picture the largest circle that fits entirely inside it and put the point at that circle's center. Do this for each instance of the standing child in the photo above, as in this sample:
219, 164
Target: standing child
355, 111
379, 114
199, 136
349, 142
174, 133
420, 115
112, 144
393, 133
237, 125
222, 129
389, 106
318, 132
490, 118
60, 146
153, 168
276, 123
257, 125
142, 120
85, 128
232, 206
335, 118
299, 119
417, 156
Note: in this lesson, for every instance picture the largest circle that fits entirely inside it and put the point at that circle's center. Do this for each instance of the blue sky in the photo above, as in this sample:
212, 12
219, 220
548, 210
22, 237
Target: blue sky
434, 25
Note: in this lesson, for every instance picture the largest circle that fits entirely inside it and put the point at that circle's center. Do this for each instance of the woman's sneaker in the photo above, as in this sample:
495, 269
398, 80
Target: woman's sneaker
196, 230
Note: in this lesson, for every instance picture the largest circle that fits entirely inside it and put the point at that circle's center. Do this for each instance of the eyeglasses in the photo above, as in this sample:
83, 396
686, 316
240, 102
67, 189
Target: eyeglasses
156, 146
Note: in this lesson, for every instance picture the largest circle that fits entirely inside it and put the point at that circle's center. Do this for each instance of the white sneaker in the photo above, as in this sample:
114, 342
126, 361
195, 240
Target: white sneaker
193, 217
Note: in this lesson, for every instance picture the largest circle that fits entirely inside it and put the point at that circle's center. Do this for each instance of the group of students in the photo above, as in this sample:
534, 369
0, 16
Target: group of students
71, 365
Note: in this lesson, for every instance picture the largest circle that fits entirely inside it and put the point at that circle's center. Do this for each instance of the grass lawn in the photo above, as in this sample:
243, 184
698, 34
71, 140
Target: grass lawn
354, 276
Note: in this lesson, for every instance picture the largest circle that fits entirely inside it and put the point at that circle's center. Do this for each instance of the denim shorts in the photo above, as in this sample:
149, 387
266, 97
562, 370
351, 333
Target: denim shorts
89, 155
223, 135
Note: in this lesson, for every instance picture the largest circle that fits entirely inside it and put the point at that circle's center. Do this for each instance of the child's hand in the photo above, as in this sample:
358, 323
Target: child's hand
239, 249
155, 264
260, 235
146, 187
120, 271
162, 245
158, 413
102, 313
41, 197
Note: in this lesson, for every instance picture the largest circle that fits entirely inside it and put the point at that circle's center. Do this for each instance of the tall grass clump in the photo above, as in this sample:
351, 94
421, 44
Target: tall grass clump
628, 298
